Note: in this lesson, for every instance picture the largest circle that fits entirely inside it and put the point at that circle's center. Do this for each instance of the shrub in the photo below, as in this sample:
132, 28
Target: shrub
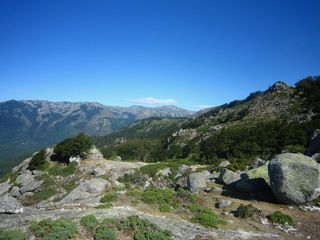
163, 197
281, 218
104, 233
89, 222
205, 216
186, 195
72, 147
12, 235
246, 211
109, 198
54, 229
144, 229
38, 161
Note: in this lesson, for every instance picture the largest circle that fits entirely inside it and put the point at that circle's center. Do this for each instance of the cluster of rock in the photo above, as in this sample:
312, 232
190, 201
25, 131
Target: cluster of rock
292, 178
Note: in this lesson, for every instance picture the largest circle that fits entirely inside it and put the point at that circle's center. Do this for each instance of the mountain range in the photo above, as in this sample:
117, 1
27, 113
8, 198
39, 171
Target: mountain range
27, 125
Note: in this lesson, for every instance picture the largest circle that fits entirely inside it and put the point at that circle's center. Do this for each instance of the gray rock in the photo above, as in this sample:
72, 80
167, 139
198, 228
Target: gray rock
10, 204
196, 182
182, 170
28, 182
223, 203
94, 186
164, 172
314, 145
87, 190
316, 157
4, 187
118, 158
294, 178
96, 171
251, 185
227, 176
224, 164
22, 166
15, 192
95, 154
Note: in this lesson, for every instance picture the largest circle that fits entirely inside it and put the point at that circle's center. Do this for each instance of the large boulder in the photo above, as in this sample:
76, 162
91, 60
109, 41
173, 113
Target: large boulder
22, 166
259, 172
86, 190
196, 182
294, 178
10, 204
227, 176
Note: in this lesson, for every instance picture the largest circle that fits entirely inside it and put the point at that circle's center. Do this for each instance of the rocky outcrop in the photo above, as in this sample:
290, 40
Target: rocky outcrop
22, 166
294, 178
196, 182
28, 182
4, 187
227, 176
10, 204
86, 190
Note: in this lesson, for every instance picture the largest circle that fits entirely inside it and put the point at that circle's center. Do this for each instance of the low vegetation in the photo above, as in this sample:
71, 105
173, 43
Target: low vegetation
54, 229
205, 216
108, 198
63, 170
12, 235
89, 222
281, 218
246, 211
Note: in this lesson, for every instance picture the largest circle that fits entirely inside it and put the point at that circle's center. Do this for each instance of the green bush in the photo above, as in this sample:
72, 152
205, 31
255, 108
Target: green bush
89, 222
163, 197
38, 161
108, 198
54, 229
104, 206
186, 195
104, 233
12, 235
246, 211
205, 216
72, 147
144, 230
281, 218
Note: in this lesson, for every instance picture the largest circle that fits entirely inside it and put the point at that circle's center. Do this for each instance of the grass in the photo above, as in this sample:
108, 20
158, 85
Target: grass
281, 218
163, 197
108, 198
104, 233
54, 229
61, 170
89, 222
205, 216
12, 235
104, 206
246, 211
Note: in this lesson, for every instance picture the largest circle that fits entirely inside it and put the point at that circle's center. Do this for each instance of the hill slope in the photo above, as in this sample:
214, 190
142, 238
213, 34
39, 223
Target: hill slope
282, 118
26, 126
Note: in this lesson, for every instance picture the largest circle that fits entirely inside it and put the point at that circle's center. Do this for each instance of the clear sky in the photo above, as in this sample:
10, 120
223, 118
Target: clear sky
189, 53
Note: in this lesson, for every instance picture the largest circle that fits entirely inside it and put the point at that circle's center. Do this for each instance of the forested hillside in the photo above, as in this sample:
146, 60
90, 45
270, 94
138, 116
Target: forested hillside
280, 119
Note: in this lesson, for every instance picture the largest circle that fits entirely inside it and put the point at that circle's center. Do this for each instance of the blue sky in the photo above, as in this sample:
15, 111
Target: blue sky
189, 53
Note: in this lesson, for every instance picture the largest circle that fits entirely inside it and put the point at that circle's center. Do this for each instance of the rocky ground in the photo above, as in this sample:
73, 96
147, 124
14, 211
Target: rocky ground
81, 192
